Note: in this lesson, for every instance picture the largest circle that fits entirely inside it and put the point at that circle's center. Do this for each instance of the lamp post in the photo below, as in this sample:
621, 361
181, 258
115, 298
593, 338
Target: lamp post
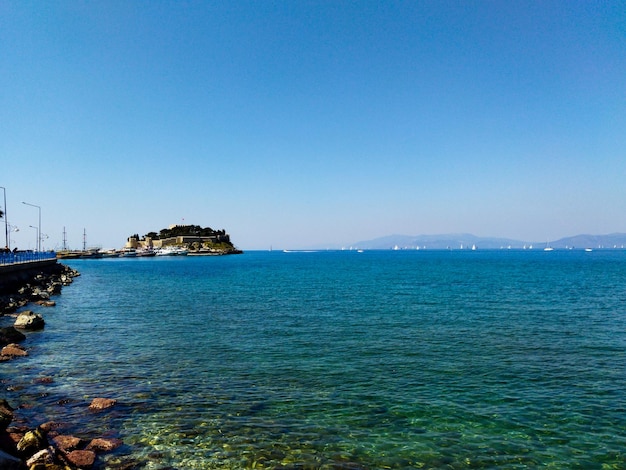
39, 226
6, 224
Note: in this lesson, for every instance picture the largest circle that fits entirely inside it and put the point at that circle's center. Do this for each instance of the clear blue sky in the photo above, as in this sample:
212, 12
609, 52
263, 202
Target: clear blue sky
303, 123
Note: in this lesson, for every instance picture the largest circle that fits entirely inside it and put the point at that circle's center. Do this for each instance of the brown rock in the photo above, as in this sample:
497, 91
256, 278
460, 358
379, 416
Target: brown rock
43, 380
12, 350
82, 458
19, 428
68, 443
104, 445
50, 426
102, 403
14, 437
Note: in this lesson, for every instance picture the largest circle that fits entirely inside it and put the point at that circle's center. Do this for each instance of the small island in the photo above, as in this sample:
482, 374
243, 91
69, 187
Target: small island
192, 240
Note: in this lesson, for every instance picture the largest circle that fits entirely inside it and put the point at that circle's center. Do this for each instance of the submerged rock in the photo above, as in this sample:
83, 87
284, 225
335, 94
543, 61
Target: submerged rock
43, 380
51, 426
68, 443
104, 445
102, 403
82, 458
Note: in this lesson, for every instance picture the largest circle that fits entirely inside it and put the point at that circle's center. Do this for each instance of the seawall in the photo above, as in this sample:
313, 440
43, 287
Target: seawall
14, 275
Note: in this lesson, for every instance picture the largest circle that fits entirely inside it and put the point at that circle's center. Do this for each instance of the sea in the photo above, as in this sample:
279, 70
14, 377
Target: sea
502, 359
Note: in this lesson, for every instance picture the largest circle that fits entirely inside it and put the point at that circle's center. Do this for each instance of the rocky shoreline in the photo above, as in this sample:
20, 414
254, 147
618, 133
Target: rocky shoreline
40, 446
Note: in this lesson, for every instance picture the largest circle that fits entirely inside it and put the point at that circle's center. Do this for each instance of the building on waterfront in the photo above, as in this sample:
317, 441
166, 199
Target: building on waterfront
153, 240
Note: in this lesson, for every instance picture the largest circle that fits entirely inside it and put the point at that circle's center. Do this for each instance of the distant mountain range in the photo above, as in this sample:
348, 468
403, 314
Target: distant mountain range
457, 241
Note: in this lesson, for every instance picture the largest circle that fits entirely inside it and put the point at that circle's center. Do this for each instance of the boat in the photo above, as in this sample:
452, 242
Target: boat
68, 254
92, 253
128, 253
171, 251
110, 253
145, 252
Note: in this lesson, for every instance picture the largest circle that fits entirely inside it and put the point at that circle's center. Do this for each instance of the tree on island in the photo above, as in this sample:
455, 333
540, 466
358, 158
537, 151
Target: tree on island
182, 231
186, 230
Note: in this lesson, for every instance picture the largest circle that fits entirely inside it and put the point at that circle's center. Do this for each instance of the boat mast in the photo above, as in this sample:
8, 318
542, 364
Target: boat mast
84, 240
64, 240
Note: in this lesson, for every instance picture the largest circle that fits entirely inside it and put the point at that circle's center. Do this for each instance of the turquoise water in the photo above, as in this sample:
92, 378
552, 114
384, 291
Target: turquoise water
342, 360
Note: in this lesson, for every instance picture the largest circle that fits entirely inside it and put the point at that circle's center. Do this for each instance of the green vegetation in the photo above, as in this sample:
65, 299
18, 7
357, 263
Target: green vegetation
184, 231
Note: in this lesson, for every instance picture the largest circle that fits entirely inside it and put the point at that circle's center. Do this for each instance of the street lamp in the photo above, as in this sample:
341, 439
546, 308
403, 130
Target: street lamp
39, 226
6, 224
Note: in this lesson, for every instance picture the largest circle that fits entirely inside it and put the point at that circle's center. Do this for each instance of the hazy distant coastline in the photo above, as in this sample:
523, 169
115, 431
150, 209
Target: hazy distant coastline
467, 241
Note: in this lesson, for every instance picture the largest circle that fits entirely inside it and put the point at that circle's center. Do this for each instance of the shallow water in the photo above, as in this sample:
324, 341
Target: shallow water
331, 360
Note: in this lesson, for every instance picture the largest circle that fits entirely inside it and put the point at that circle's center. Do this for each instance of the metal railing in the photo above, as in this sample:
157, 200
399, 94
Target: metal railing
25, 257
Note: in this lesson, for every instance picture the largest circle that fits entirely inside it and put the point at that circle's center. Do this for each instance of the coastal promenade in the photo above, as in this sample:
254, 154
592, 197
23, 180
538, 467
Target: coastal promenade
21, 258
18, 266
